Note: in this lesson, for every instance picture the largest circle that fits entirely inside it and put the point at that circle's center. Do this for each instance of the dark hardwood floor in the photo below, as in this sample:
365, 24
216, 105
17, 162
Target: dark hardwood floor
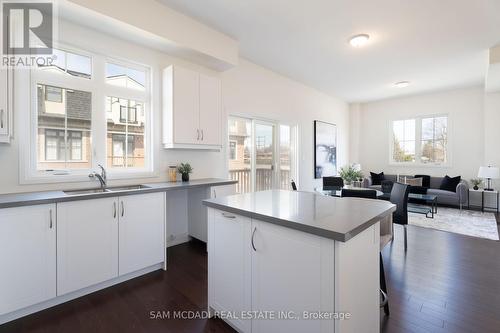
444, 283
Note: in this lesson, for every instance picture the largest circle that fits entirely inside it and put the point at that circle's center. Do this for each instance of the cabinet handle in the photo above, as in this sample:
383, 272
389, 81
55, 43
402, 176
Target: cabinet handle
228, 216
123, 209
215, 194
253, 235
1, 118
201, 135
114, 210
198, 135
50, 220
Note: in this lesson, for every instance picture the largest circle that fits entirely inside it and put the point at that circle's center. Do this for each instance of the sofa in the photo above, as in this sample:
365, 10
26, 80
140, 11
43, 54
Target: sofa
457, 198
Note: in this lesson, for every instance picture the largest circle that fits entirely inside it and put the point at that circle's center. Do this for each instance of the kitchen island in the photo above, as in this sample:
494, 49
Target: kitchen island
289, 261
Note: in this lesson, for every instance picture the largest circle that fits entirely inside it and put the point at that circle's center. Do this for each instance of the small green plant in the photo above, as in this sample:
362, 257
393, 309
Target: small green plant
476, 182
184, 168
349, 174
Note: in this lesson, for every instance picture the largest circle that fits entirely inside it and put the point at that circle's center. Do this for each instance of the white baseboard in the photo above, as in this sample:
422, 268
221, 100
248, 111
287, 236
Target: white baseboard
76, 294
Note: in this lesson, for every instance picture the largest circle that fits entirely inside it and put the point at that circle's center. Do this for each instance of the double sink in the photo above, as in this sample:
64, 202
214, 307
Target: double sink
106, 190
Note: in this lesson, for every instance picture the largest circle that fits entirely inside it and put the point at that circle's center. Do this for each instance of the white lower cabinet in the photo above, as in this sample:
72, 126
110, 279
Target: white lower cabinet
292, 273
229, 265
286, 278
105, 238
141, 231
27, 256
87, 243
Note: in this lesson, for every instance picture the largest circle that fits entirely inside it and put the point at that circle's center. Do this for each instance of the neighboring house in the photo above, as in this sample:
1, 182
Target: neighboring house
64, 128
239, 157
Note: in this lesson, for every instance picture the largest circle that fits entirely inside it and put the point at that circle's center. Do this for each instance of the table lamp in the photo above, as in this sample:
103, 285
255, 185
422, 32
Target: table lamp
489, 173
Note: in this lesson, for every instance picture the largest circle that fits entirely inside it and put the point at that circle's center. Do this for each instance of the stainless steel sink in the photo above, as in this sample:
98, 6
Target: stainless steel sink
127, 188
90, 191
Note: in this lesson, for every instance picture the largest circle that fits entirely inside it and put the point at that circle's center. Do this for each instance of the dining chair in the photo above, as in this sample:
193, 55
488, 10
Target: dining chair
333, 183
399, 197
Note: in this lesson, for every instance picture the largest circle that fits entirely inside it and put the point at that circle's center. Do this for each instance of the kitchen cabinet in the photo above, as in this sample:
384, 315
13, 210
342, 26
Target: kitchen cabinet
229, 265
287, 275
5, 105
87, 243
141, 231
191, 110
101, 239
27, 256
282, 260
197, 212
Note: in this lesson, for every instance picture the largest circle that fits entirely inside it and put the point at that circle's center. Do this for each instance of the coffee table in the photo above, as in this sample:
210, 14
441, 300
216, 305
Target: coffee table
420, 208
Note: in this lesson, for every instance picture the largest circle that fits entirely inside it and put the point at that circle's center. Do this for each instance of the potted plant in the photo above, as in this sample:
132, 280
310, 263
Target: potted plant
476, 182
350, 174
184, 169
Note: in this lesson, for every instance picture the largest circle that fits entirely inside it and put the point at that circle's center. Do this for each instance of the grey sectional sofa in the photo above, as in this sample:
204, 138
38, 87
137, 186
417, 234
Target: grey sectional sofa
458, 198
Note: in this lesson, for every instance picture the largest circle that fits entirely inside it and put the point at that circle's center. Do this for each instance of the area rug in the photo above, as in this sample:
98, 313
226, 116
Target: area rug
465, 222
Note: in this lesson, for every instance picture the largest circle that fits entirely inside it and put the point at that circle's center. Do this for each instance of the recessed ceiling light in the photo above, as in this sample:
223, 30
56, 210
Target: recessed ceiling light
359, 40
401, 84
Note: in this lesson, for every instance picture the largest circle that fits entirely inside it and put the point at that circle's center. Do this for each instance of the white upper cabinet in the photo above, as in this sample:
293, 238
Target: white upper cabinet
191, 109
210, 114
27, 256
5, 105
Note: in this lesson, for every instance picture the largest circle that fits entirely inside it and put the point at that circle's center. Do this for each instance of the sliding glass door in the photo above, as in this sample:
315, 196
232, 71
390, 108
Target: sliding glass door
265, 148
261, 154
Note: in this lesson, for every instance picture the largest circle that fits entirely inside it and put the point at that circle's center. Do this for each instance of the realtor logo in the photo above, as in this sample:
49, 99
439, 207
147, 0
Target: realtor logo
27, 28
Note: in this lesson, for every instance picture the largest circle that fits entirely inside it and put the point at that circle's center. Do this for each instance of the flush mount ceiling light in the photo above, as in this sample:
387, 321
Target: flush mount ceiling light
402, 84
359, 40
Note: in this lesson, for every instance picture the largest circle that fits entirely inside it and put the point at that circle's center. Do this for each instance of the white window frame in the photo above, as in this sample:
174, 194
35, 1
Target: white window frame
294, 130
418, 142
99, 89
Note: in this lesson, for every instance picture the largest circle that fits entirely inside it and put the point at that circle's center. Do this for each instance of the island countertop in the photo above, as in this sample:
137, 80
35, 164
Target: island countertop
339, 219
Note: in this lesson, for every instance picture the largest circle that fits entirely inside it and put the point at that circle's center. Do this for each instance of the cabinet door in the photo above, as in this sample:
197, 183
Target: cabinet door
27, 256
210, 110
229, 265
142, 231
186, 106
87, 243
4, 101
292, 272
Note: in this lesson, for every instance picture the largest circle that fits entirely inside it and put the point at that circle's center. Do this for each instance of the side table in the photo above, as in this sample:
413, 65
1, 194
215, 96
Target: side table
483, 192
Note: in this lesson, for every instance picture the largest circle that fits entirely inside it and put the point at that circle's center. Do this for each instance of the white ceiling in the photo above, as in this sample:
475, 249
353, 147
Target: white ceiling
435, 44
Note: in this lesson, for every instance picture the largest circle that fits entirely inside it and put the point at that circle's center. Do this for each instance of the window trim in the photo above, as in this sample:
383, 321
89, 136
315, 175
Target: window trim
99, 89
418, 142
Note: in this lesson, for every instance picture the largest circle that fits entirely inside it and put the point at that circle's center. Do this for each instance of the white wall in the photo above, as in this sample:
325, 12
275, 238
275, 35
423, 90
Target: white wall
491, 131
465, 109
253, 91
247, 90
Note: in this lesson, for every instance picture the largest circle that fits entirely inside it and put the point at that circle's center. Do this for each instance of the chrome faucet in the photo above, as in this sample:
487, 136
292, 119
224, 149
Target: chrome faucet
101, 177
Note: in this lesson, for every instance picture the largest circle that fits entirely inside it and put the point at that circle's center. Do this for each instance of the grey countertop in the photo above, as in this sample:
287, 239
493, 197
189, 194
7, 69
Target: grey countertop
335, 218
38, 198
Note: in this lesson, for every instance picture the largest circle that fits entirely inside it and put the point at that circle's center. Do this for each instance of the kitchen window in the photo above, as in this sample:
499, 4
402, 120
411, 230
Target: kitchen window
70, 100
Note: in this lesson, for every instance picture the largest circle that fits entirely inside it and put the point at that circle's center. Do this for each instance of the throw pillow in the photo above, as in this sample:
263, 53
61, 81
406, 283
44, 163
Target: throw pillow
450, 184
377, 178
413, 181
426, 180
